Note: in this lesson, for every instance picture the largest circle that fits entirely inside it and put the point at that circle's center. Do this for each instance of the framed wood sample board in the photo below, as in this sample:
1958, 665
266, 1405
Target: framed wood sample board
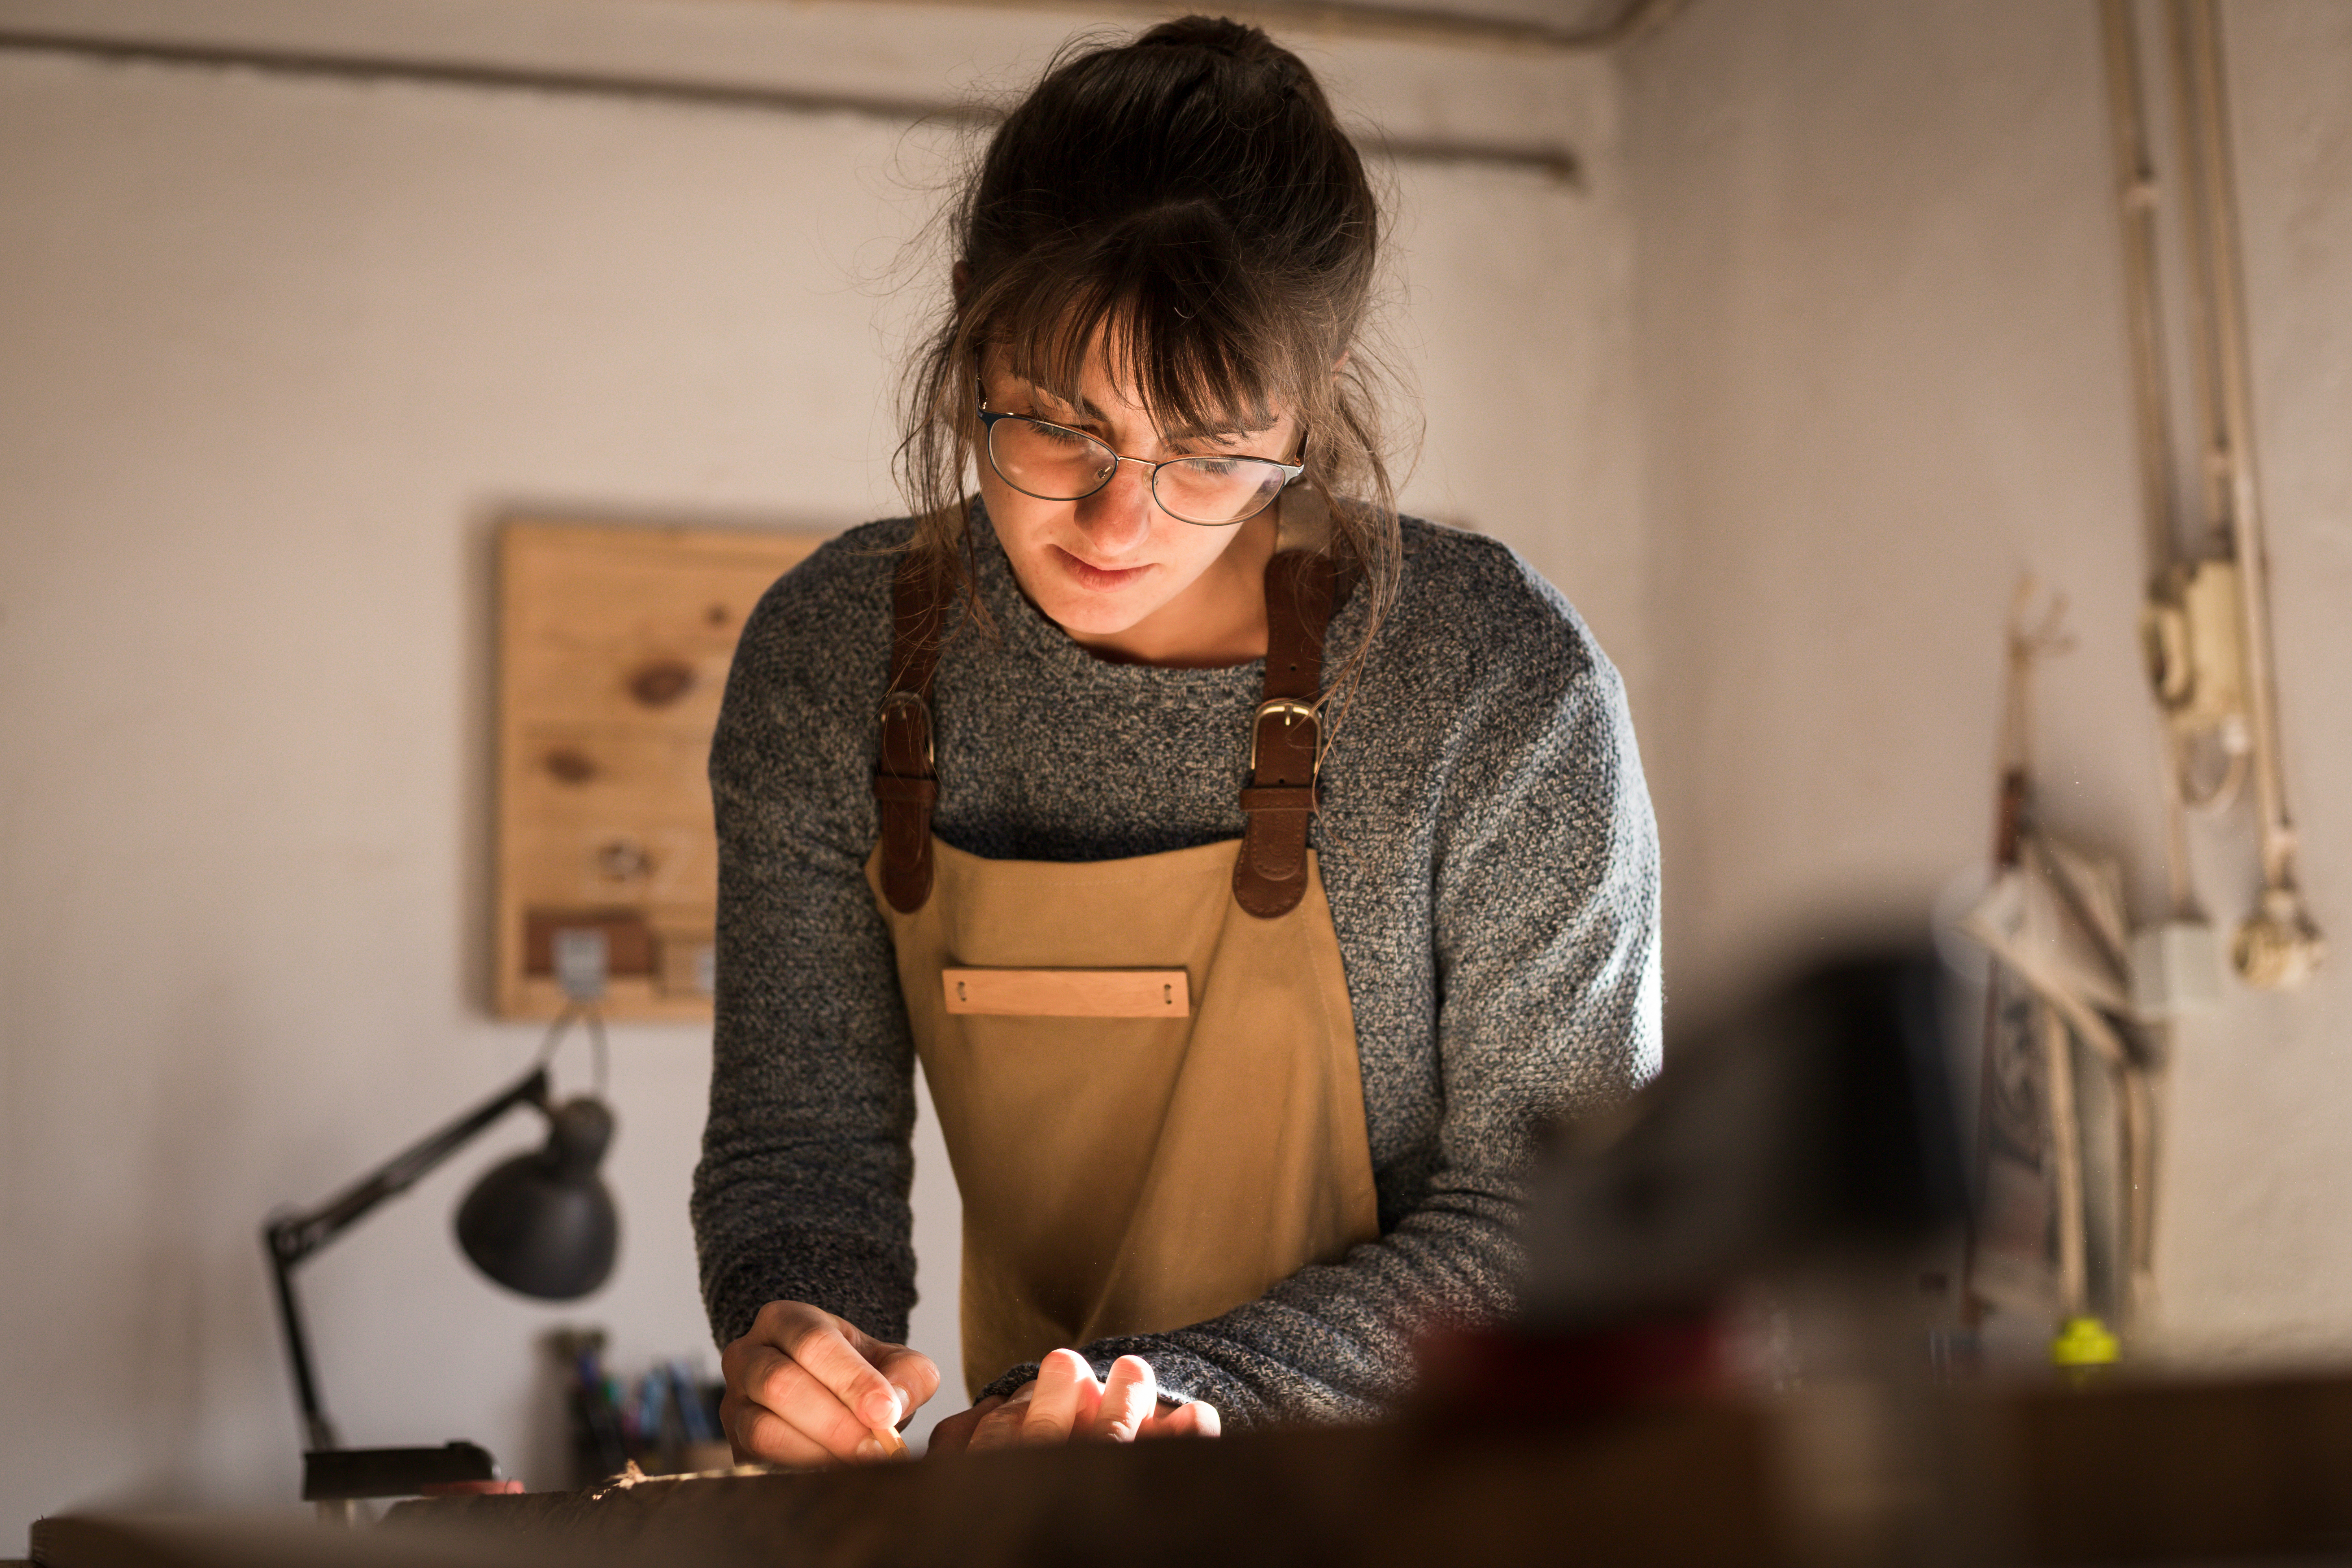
613, 644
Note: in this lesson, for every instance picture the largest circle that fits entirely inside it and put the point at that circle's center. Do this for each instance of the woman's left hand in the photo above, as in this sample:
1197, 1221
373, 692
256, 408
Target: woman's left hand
1066, 1404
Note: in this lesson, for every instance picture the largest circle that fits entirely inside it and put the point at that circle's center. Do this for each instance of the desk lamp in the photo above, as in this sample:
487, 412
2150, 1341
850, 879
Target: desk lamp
540, 1223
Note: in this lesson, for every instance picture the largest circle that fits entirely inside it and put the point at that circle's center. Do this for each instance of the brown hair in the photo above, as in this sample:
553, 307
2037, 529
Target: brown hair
1191, 197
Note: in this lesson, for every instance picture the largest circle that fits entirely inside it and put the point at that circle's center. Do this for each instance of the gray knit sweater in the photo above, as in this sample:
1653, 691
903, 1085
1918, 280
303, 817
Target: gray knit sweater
1487, 844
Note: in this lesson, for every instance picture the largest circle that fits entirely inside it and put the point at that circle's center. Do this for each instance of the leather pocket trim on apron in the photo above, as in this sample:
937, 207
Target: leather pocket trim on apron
1068, 993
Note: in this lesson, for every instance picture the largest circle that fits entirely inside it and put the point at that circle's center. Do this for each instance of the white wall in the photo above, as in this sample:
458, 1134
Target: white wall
1786, 396
1883, 356
275, 352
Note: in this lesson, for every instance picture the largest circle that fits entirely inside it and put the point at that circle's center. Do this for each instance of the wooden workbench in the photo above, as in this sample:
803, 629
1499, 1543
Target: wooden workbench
2183, 1472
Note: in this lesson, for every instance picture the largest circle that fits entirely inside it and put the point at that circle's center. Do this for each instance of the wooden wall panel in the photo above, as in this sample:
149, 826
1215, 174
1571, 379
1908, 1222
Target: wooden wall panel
613, 644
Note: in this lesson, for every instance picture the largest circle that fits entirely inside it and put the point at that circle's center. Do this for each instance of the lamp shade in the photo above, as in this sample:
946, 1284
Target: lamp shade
543, 1223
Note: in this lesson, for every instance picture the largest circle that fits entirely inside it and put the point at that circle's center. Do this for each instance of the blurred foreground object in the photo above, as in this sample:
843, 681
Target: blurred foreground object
1752, 1230
1812, 1130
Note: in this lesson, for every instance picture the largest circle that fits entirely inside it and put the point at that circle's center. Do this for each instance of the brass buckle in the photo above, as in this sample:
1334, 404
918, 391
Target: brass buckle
1292, 710
905, 699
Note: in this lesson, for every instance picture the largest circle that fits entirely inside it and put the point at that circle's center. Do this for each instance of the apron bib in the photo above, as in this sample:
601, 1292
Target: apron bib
1145, 1069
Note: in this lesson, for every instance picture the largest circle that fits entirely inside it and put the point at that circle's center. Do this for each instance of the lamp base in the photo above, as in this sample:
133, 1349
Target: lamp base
334, 1475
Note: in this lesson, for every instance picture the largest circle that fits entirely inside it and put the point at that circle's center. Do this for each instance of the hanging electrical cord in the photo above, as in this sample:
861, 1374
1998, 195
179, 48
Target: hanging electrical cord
2207, 626
2137, 194
2279, 945
594, 1022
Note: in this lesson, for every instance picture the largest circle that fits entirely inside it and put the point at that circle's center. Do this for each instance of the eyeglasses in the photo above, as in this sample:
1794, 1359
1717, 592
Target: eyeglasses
1053, 462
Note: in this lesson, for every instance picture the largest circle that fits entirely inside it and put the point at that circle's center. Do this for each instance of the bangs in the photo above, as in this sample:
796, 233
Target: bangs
1204, 343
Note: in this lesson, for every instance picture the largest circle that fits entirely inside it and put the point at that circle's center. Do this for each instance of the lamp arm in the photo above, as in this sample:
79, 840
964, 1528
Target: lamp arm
295, 1236
292, 1238
318, 1432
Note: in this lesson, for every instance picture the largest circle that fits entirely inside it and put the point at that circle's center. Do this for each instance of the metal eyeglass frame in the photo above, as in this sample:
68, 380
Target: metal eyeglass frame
988, 419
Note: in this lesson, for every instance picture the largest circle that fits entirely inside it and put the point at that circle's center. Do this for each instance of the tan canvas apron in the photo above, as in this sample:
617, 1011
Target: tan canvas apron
1145, 1069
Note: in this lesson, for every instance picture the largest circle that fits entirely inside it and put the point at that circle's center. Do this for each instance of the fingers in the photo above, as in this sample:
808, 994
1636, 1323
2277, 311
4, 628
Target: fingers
822, 1348
760, 1437
953, 1434
1198, 1419
913, 1373
1001, 1427
804, 1387
1064, 1404
783, 1412
1066, 1394
1129, 1396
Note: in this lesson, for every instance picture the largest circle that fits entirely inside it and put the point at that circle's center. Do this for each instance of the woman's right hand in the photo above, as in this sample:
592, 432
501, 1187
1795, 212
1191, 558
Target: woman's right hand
806, 1387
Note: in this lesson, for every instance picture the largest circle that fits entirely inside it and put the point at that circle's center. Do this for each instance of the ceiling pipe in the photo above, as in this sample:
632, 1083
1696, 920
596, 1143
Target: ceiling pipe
1550, 161
1631, 21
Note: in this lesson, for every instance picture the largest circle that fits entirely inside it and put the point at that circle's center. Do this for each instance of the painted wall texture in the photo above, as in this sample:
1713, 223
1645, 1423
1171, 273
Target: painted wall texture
1883, 370
278, 352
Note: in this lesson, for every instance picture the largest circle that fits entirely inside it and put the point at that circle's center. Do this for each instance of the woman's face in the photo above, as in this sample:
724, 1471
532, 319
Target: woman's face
1113, 569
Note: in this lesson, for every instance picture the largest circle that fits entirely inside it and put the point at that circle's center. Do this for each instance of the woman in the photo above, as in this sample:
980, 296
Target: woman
1252, 870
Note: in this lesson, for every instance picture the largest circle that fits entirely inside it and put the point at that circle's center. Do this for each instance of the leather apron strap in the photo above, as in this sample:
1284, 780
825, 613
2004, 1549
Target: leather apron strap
906, 785
1285, 736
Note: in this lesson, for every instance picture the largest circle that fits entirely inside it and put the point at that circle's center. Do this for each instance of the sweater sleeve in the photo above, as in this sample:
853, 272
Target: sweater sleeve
802, 1191
1544, 901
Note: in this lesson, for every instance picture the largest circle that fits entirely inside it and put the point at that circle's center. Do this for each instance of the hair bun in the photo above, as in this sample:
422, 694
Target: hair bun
1219, 35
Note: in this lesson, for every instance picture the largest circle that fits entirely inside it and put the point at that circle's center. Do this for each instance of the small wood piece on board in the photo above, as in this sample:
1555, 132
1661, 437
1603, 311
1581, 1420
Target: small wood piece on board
613, 644
1069, 993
